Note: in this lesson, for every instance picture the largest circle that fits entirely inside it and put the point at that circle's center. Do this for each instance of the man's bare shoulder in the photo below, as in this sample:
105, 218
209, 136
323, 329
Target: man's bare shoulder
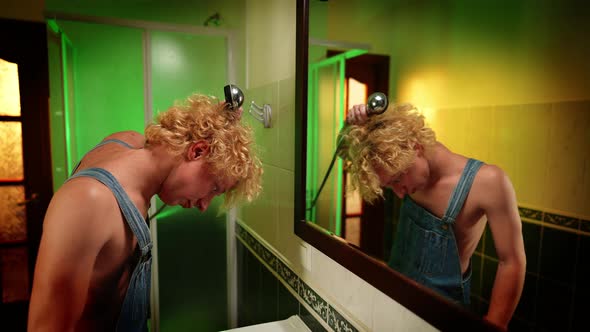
130, 137
490, 176
79, 199
492, 186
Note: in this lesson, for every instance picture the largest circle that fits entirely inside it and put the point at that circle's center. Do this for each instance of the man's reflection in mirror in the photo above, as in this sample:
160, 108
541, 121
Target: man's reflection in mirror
446, 200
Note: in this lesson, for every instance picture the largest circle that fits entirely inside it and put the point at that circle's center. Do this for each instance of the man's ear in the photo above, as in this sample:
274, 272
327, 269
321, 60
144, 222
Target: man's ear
419, 149
198, 149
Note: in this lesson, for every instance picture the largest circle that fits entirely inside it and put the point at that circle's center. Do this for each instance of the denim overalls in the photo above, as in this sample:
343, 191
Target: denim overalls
134, 311
425, 248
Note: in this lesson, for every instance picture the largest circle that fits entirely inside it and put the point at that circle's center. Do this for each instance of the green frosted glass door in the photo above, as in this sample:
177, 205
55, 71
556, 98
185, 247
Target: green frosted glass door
191, 244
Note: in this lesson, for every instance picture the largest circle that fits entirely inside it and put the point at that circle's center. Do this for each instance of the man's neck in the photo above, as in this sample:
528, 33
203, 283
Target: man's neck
154, 164
440, 163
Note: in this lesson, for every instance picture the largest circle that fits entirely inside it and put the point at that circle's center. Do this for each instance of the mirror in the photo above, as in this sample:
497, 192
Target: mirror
495, 83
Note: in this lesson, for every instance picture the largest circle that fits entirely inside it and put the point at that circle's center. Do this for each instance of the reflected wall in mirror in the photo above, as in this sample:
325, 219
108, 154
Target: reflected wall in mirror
496, 83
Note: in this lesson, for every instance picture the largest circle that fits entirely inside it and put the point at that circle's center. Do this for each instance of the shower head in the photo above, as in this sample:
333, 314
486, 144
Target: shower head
377, 103
234, 97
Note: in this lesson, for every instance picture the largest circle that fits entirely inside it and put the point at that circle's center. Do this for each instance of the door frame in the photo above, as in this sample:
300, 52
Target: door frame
26, 45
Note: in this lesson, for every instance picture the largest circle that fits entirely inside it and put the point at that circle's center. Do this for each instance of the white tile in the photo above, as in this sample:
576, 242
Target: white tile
270, 40
351, 296
325, 273
288, 243
262, 214
284, 123
357, 296
266, 139
389, 315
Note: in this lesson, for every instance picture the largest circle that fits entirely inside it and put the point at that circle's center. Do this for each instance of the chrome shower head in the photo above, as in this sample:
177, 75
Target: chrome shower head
377, 103
234, 97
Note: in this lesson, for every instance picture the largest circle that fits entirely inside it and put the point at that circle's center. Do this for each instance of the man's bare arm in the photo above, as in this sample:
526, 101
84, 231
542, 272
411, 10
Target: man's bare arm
72, 238
501, 209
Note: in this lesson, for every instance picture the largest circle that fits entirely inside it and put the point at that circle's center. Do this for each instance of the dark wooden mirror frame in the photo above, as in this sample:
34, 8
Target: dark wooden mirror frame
424, 302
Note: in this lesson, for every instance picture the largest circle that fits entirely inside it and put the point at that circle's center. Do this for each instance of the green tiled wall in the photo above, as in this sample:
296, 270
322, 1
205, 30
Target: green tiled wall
262, 297
266, 286
556, 290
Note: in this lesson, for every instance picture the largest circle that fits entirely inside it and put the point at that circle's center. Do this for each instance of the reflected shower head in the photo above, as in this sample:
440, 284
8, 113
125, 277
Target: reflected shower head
377, 103
234, 97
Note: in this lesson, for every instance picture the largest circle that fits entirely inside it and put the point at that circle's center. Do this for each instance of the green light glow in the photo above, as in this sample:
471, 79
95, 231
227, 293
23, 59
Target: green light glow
337, 58
66, 96
338, 62
339, 120
169, 211
53, 26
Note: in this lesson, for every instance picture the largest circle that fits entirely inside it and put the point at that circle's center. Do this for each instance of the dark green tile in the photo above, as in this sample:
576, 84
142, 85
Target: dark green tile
520, 325
531, 234
490, 249
476, 275
479, 248
252, 288
242, 276
257, 291
558, 255
14, 316
478, 306
526, 306
288, 304
267, 299
488, 277
581, 310
583, 263
310, 320
554, 306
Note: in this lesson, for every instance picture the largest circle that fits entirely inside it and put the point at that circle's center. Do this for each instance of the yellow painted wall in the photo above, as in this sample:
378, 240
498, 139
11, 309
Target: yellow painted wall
544, 148
502, 81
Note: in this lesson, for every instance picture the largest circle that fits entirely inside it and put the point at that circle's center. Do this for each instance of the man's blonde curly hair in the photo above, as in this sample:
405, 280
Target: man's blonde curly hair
385, 141
231, 150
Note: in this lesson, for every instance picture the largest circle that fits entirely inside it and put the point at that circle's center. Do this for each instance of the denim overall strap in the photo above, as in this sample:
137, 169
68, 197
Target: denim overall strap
461, 190
455, 205
107, 141
134, 218
425, 248
134, 311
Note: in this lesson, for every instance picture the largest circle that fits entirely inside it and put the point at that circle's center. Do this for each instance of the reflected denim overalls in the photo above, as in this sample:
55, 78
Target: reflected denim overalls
425, 248
134, 311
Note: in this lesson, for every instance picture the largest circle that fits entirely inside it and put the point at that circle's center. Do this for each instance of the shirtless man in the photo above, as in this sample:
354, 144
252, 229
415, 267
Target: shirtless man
94, 262
445, 198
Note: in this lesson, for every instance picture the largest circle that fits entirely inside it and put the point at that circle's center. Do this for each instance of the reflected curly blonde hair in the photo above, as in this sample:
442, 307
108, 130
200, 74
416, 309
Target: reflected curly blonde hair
385, 141
231, 149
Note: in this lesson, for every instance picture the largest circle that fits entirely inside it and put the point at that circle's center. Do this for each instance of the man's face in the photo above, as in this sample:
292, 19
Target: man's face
193, 183
407, 182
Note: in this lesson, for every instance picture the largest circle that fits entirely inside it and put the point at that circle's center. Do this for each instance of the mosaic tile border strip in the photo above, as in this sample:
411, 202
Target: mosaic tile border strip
321, 307
548, 218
